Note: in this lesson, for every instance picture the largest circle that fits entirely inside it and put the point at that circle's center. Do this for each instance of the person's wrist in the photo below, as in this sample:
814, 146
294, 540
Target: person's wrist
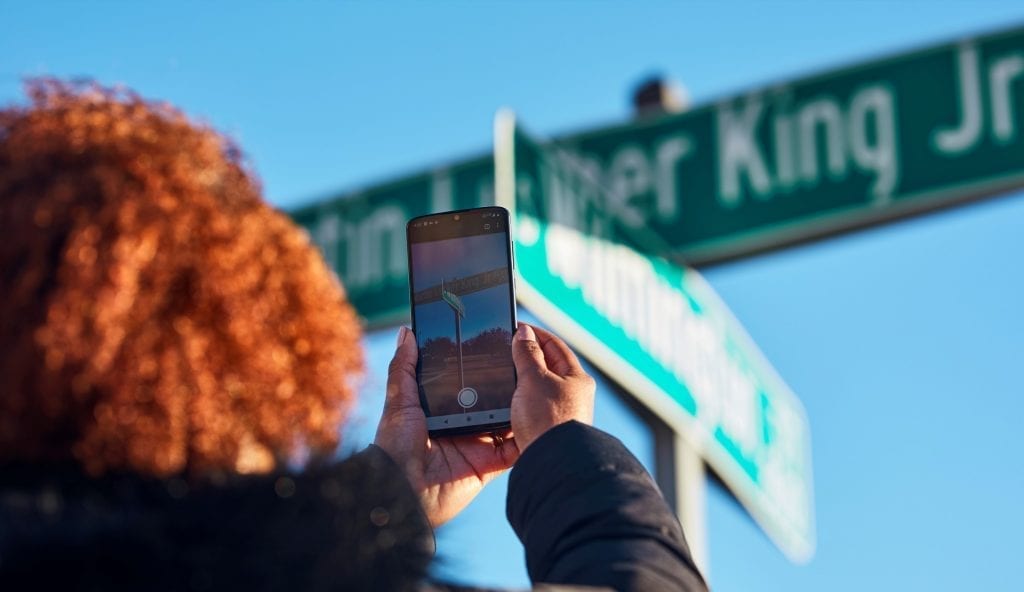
553, 419
537, 432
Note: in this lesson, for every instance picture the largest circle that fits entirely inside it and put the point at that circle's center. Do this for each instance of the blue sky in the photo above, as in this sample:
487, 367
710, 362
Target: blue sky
903, 342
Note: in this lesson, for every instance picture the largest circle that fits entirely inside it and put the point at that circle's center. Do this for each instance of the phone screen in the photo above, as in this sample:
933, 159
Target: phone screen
463, 311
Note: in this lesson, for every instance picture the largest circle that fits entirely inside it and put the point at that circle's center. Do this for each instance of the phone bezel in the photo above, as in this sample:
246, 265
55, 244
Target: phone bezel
510, 265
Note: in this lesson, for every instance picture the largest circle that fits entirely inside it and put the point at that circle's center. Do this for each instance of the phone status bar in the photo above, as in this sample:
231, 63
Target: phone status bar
455, 224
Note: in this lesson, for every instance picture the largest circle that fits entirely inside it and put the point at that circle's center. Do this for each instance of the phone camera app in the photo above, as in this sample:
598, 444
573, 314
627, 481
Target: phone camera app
462, 304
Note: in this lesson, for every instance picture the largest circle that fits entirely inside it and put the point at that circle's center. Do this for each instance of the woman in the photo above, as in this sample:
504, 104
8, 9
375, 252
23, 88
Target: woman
174, 350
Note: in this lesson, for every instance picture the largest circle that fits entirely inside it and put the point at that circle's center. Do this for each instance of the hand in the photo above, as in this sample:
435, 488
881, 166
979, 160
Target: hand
446, 473
552, 387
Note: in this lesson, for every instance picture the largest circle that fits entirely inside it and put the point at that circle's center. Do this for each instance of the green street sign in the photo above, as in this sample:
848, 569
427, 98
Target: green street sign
453, 301
663, 334
783, 164
803, 159
362, 234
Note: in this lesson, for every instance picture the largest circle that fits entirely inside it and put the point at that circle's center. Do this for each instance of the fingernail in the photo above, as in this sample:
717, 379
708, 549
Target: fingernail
525, 333
402, 332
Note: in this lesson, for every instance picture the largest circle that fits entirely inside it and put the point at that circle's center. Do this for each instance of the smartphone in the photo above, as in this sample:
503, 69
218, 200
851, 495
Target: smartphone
463, 316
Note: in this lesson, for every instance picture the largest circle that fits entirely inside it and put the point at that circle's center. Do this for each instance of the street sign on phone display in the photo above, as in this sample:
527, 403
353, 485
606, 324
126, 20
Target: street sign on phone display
663, 334
453, 301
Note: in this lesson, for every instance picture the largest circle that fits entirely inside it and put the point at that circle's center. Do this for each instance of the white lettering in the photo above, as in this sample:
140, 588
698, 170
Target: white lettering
822, 112
364, 252
631, 294
1001, 76
375, 248
880, 157
739, 152
670, 152
863, 136
326, 236
629, 177
785, 149
956, 140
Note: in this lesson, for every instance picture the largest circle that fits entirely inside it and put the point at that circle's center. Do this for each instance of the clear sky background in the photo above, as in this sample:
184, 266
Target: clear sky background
905, 343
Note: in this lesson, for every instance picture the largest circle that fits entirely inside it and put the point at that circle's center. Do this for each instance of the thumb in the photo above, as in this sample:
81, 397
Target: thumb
527, 354
402, 390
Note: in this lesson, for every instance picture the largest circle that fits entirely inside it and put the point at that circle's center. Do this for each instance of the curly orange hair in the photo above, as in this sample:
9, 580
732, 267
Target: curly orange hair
155, 314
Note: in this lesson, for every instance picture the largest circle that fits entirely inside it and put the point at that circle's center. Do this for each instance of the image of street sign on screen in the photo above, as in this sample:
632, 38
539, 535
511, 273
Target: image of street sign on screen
462, 306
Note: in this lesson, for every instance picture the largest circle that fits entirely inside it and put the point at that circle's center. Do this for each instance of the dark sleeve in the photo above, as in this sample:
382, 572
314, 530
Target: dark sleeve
589, 514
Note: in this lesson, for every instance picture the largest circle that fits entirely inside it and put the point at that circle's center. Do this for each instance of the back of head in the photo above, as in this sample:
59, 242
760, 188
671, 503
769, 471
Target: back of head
156, 316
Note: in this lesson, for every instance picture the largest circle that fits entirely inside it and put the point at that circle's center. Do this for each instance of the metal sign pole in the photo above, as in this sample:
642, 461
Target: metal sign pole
680, 474
458, 310
458, 340
691, 501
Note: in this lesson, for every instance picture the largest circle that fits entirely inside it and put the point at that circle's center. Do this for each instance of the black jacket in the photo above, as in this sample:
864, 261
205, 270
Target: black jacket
585, 509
